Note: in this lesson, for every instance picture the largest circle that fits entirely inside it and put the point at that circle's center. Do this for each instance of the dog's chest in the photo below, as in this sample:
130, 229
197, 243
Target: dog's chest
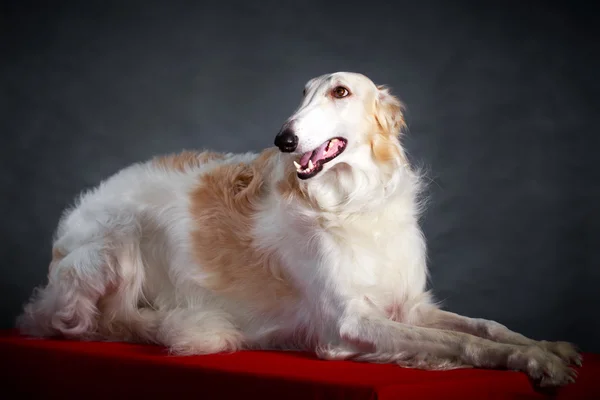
372, 251
383, 263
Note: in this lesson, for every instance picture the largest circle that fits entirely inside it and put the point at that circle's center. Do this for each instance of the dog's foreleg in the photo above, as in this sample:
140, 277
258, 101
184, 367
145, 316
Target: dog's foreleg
373, 334
492, 330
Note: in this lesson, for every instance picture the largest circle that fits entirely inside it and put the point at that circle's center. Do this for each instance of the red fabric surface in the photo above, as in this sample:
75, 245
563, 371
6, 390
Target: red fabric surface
64, 369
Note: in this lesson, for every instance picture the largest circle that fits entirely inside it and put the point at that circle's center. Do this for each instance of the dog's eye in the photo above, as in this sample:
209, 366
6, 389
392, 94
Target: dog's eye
339, 91
304, 92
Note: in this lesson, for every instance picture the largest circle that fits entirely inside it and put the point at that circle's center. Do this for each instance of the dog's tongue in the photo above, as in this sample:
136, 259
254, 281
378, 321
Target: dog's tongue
315, 155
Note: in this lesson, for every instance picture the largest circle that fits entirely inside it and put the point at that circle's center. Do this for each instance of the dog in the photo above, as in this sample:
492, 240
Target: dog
313, 244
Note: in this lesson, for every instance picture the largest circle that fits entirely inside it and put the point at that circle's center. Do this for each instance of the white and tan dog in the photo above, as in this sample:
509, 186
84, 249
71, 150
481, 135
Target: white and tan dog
312, 246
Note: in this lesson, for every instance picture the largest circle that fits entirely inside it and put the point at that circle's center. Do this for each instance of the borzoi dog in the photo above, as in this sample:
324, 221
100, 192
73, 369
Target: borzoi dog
313, 244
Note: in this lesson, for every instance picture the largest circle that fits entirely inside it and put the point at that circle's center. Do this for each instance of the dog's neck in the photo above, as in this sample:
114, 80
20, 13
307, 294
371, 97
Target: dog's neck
347, 192
350, 191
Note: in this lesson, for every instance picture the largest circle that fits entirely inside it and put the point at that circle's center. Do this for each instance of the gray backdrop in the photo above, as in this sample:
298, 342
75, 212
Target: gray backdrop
501, 110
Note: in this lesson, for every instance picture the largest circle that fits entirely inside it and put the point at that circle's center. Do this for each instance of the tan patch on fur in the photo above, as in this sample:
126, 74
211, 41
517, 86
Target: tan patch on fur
57, 256
223, 206
389, 113
290, 187
186, 160
389, 121
384, 149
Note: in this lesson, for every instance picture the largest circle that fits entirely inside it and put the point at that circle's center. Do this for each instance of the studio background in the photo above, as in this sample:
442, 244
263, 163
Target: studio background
502, 103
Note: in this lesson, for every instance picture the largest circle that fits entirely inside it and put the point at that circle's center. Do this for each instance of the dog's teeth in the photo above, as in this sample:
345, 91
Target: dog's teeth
298, 166
310, 164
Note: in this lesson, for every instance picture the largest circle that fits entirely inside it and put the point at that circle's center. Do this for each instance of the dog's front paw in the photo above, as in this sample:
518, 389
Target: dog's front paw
568, 352
543, 367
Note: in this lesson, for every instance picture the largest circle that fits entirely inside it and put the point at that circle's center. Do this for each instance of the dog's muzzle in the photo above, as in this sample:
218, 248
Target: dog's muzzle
286, 140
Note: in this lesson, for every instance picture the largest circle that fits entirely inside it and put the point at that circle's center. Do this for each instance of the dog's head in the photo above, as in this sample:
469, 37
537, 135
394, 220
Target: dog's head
344, 122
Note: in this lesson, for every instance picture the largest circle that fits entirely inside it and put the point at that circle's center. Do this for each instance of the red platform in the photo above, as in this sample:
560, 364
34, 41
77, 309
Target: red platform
47, 369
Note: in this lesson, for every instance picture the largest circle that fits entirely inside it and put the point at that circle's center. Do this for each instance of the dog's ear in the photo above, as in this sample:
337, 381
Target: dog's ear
389, 112
389, 118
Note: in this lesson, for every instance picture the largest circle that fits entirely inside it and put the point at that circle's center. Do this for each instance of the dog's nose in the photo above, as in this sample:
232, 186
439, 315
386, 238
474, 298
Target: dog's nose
286, 140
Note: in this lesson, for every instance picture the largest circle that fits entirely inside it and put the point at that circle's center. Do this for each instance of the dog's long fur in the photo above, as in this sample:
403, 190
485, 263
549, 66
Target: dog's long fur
207, 252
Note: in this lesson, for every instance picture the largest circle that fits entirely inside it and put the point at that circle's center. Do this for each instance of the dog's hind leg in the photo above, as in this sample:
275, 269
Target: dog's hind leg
85, 266
66, 306
187, 331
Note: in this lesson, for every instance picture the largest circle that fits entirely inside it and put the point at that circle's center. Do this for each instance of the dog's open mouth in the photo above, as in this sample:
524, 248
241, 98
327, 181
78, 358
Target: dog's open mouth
311, 162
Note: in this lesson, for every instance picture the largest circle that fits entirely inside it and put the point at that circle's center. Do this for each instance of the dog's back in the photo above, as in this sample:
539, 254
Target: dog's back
123, 258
